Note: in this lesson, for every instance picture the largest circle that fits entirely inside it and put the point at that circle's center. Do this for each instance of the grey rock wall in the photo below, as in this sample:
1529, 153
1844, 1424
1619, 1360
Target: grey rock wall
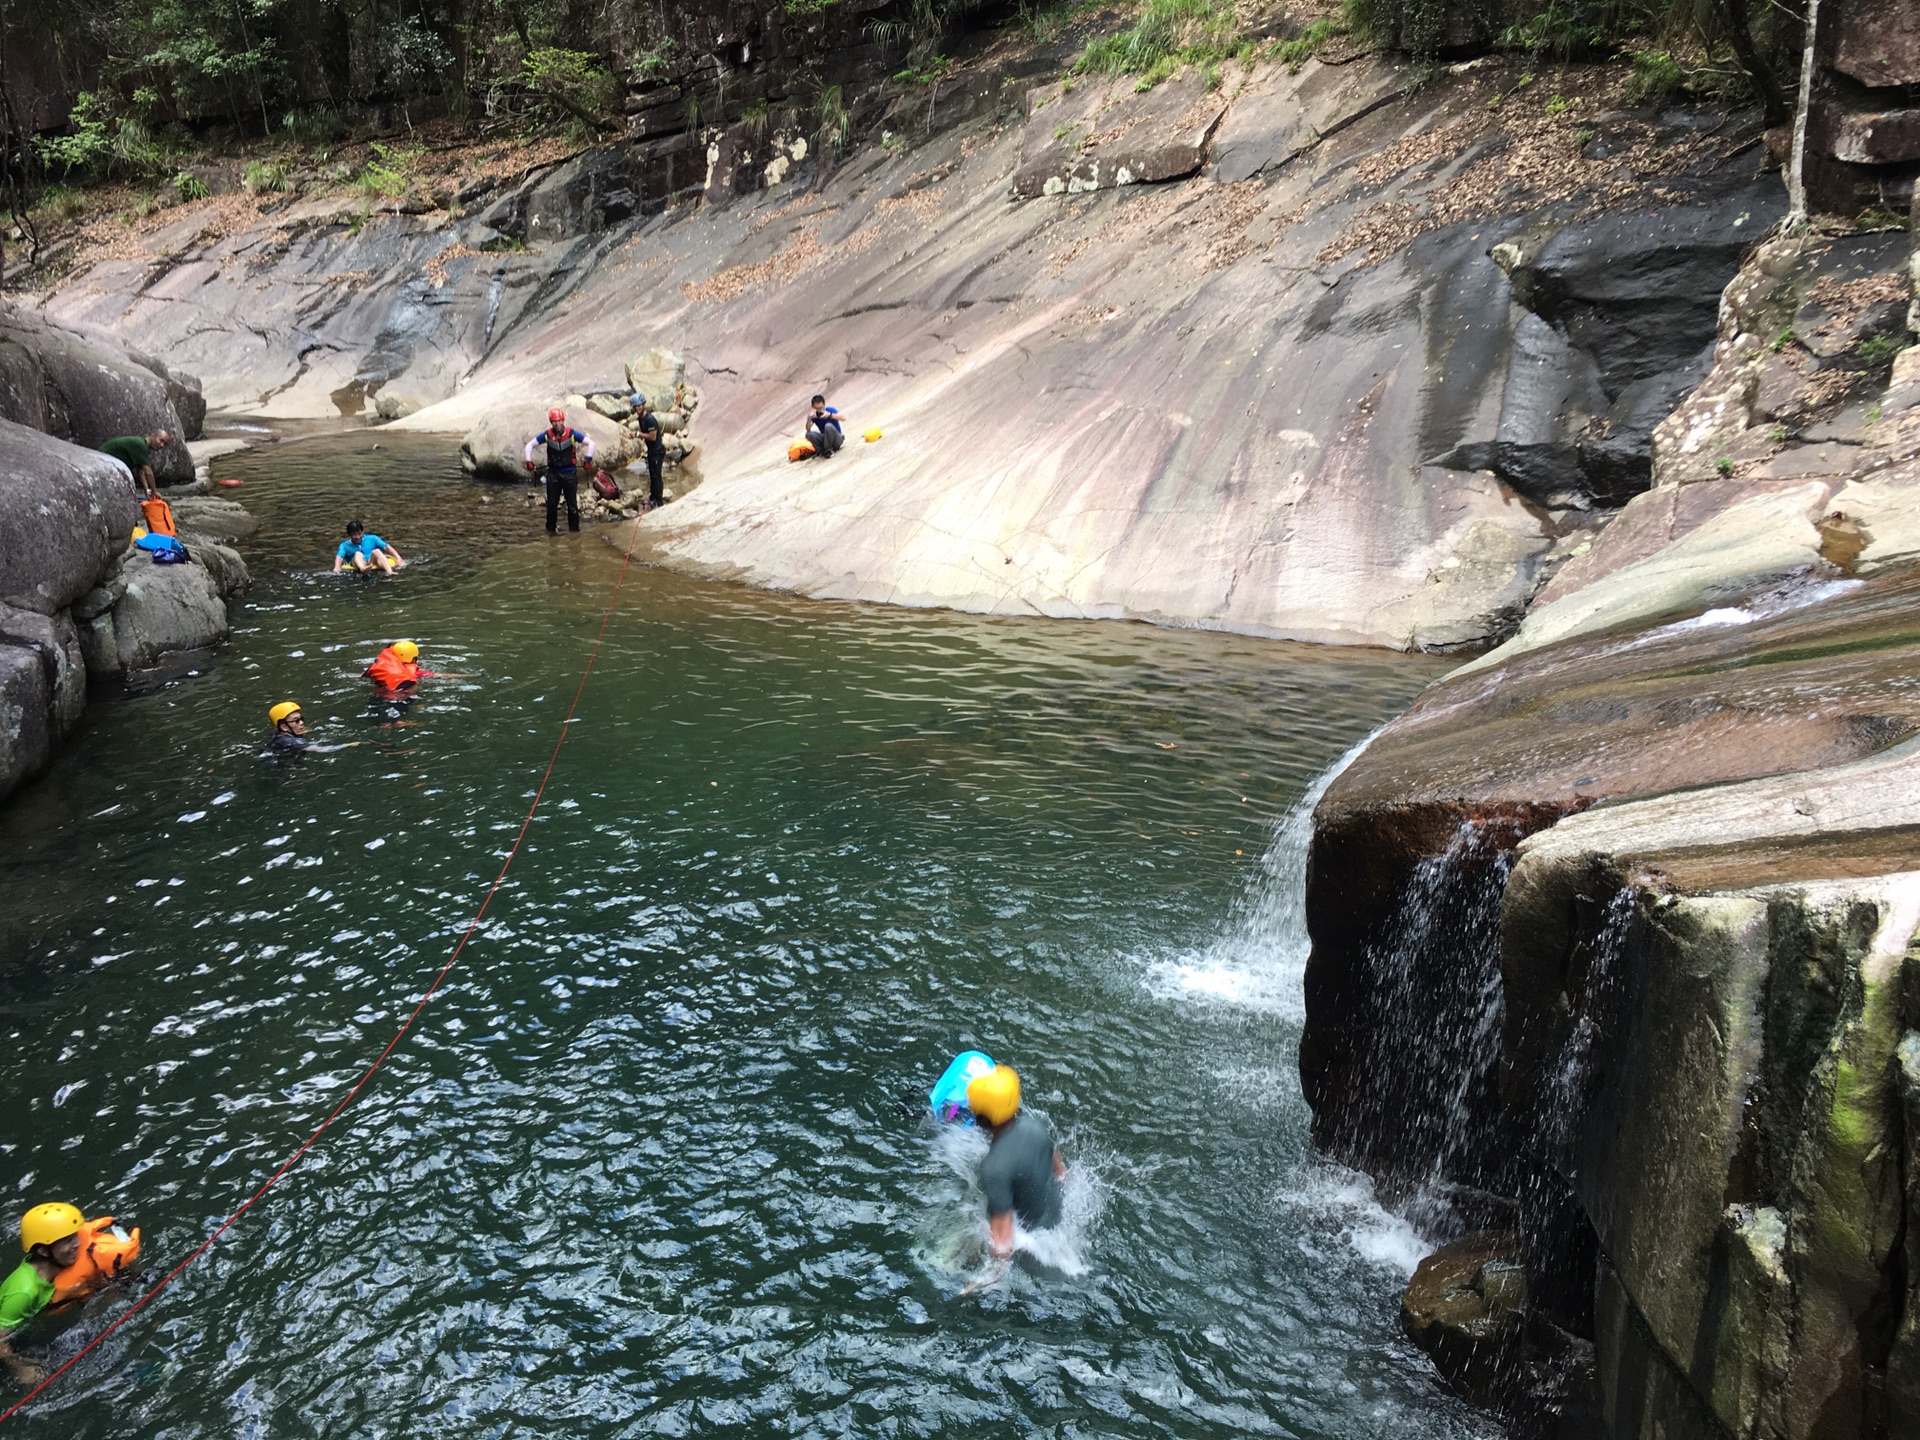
64, 382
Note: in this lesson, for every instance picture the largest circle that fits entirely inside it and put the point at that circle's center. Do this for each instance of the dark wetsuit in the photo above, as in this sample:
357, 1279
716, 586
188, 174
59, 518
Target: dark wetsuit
563, 474
656, 456
1017, 1174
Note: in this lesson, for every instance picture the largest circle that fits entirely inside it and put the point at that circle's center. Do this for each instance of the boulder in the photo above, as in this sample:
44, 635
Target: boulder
396, 404
1466, 1307
495, 449
61, 382
658, 375
222, 520
1098, 135
613, 407
56, 640
65, 513
165, 608
224, 565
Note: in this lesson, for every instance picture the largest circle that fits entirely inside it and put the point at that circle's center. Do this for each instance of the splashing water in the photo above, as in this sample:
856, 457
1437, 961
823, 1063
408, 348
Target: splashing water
1261, 956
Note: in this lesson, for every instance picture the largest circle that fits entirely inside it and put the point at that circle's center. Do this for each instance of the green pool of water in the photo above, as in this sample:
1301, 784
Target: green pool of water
640, 1169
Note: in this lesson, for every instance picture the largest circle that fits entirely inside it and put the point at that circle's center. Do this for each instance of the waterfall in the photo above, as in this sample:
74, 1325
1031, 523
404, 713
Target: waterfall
1261, 953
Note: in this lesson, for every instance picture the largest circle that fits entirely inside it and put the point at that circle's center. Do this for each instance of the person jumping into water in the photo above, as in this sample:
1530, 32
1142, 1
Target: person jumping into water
1022, 1172
363, 552
50, 1235
562, 466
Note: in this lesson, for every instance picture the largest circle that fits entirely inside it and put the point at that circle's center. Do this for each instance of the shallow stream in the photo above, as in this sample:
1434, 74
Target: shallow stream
641, 1168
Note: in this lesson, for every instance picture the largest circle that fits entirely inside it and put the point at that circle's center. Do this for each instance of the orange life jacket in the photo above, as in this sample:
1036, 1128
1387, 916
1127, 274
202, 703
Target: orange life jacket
390, 672
104, 1254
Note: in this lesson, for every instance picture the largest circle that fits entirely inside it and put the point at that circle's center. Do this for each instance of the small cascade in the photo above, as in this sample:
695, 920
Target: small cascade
1435, 1038
1261, 953
1593, 994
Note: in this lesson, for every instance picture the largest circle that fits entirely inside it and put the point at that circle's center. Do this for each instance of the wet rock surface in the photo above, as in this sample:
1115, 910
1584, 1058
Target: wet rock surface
1639, 888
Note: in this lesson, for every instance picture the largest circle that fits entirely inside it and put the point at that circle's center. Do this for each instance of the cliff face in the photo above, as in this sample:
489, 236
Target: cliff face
1302, 355
1612, 930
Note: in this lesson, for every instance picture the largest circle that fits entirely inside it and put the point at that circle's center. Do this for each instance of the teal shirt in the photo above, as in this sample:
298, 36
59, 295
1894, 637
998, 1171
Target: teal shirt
23, 1296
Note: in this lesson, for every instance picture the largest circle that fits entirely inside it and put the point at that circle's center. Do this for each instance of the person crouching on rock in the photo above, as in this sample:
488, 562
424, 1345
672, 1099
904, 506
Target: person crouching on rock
1022, 1172
50, 1234
396, 669
824, 430
563, 467
136, 453
361, 551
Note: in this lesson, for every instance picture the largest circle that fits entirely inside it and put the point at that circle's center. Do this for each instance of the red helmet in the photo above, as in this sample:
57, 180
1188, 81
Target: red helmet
556, 416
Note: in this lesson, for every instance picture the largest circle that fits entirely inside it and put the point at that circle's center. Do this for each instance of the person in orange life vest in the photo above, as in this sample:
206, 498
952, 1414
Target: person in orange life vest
563, 467
396, 668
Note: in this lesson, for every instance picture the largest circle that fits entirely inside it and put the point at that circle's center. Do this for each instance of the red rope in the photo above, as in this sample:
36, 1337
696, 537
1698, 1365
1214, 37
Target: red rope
399, 1035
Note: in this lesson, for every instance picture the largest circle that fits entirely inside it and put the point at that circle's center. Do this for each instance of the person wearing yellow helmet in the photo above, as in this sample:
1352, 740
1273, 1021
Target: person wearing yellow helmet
50, 1236
396, 669
1022, 1172
290, 732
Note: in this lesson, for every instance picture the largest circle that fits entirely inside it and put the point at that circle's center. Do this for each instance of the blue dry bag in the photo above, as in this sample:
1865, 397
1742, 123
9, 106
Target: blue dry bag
948, 1098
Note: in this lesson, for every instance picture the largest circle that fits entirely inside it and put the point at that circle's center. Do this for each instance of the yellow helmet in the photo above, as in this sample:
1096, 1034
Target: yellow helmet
995, 1096
49, 1225
406, 650
281, 711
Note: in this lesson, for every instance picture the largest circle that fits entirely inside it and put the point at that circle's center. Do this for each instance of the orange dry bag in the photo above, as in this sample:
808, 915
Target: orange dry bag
106, 1252
799, 450
159, 516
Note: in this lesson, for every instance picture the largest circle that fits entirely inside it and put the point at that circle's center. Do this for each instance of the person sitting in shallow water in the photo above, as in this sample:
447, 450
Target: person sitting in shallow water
50, 1235
1022, 1172
361, 551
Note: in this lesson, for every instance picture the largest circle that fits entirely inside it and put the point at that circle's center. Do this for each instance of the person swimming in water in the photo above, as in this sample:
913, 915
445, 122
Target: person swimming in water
50, 1236
1023, 1170
396, 669
290, 733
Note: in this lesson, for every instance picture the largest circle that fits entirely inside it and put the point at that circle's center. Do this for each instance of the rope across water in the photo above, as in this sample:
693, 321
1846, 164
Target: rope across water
613, 599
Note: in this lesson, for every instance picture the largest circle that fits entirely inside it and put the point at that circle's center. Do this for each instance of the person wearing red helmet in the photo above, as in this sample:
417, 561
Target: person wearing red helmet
563, 459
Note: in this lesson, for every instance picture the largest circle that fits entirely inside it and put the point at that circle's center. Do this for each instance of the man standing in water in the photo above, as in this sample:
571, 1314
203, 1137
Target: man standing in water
562, 444
649, 424
1022, 1172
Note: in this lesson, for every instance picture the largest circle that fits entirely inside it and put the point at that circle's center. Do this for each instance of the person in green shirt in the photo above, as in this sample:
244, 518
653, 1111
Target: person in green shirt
50, 1234
136, 453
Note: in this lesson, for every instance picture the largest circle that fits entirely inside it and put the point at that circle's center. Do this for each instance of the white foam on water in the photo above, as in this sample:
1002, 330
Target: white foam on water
1260, 957
954, 1242
1337, 1202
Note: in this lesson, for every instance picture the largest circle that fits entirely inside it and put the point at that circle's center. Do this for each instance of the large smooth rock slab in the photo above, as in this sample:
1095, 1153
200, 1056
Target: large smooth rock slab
1100, 133
1279, 116
65, 513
